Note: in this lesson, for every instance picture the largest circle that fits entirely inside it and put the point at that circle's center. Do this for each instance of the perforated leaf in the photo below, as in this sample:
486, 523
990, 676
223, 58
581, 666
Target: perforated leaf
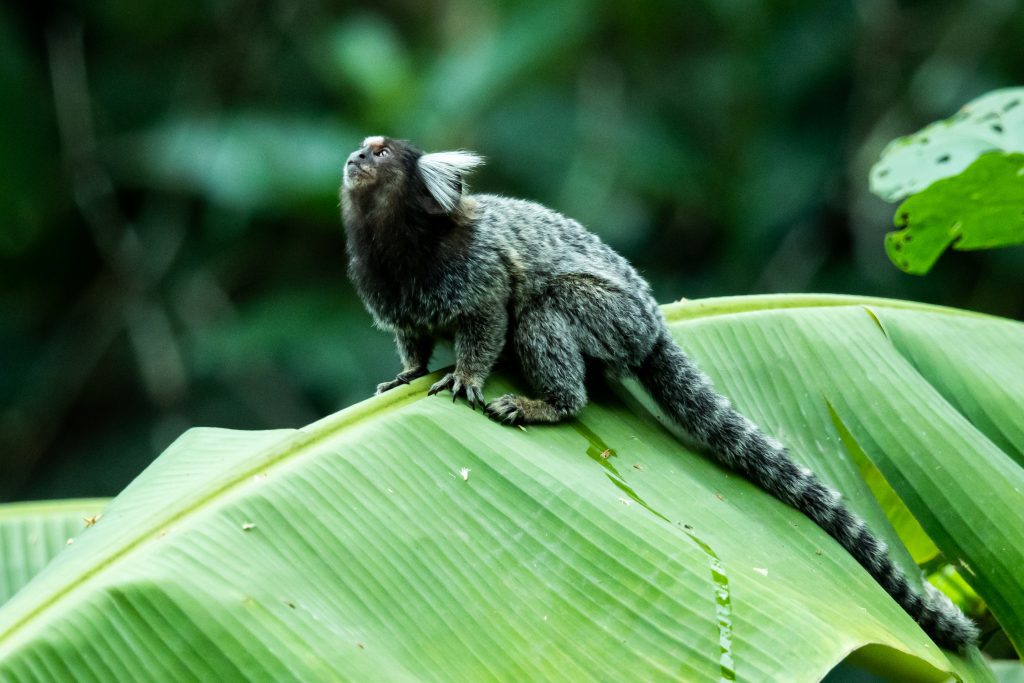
981, 208
992, 122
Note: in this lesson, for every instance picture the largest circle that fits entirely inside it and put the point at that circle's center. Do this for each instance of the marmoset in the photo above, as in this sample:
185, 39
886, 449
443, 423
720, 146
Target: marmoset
431, 260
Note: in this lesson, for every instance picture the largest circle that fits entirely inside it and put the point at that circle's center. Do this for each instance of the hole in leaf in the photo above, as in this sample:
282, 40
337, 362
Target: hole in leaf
943, 159
1011, 104
908, 238
997, 127
896, 246
906, 263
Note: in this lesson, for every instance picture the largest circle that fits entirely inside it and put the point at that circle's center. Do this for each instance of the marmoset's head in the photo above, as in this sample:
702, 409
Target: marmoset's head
390, 171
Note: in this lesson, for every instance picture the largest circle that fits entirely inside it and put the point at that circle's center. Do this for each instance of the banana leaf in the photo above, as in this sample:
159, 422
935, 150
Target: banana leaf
31, 534
410, 538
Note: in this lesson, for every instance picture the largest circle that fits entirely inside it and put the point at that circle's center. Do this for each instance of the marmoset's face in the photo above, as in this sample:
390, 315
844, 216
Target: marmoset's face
375, 161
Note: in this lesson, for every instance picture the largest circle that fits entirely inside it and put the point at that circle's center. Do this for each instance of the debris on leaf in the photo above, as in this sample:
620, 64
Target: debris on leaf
719, 496
246, 526
70, 541
625, 501
607, 453
90, 521
761, 570
464, 473
639, 467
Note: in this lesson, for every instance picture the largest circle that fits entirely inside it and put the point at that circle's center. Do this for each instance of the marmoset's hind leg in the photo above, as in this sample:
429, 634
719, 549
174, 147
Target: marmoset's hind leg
552, 361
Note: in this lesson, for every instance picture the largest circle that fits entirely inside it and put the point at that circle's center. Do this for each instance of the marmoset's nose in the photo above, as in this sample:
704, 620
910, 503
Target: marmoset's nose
358, 154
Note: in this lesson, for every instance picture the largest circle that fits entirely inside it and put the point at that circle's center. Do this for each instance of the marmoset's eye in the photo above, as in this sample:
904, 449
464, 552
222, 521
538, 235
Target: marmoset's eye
382, 152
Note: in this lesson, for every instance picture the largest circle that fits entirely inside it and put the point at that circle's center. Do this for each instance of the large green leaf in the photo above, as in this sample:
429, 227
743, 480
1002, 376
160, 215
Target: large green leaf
31, 534
935, 399
359, 547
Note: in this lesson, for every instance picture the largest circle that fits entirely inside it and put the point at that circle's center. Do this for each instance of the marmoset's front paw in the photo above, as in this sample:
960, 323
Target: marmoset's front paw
470, 388
402, 378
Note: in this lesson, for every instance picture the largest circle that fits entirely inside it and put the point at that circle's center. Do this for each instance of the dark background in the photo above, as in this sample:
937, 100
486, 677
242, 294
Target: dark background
170, 249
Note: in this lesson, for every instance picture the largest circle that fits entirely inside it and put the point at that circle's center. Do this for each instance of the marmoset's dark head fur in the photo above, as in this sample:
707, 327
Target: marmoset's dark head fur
385, 177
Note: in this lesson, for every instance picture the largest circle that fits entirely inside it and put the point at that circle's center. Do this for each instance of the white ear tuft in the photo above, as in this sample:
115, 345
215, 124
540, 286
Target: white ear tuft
442, 173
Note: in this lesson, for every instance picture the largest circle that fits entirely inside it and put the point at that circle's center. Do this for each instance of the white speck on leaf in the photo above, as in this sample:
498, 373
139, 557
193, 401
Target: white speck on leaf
761, 570
464, 473
246, 526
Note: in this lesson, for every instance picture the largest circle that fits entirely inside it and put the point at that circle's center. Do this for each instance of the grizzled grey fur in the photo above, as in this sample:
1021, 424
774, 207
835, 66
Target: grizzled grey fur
431, 261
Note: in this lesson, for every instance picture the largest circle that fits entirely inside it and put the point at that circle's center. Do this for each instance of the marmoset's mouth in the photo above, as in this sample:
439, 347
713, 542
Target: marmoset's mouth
355, 170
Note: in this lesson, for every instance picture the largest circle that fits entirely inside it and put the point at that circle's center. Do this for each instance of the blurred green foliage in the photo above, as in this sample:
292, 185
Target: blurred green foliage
170, 251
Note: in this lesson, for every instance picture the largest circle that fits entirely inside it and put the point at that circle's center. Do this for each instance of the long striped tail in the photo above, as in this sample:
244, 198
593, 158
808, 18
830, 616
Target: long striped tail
687, 396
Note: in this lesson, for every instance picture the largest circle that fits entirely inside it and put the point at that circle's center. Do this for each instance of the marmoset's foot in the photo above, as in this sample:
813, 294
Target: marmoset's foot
402, 378
515, 410
469, 388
